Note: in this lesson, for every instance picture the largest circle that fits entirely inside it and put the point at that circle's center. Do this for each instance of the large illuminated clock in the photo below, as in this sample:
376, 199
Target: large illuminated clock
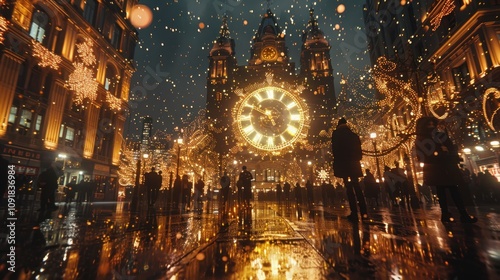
270, 118
269, 53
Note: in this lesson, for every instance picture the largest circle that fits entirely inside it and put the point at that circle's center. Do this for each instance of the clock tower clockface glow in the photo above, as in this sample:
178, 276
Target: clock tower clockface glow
269, 53
270, 118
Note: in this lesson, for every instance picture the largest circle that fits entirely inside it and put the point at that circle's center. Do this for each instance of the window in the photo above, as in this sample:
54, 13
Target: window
39, 26
116, 34
110, 79
461, 77
61, 131
70, 134
89, 11
12, 115
25, 120
38, 122
22, 13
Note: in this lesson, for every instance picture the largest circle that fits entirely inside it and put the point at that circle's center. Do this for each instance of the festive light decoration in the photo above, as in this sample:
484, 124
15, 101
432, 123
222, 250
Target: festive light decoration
491, 106
3, 28
448, 7
82, 80
115, 103
47, 58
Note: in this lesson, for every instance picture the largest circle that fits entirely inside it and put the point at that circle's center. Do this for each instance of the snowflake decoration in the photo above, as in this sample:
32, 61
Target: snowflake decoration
83, 83
47, 58
86, 52
322, 174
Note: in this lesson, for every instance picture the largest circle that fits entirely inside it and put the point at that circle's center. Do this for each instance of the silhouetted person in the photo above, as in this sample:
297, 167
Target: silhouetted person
401, 183
372, 190
177, 193
152, 181
70, 190
278, 193
286, 192
310, 193
245, 180
199, 187
440, 157
47, 182
298, 194
346, 150
225, 184
186, 193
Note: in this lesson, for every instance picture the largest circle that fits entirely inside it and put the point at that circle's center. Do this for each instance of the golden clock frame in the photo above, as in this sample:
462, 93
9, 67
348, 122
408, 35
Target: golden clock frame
299, 138
265, 53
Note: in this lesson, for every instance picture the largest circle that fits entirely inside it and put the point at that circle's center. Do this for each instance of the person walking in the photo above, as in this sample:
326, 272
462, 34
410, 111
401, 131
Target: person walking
286, 192
245, 180
372, 190
225, 184
199, 188
310, 193
346, 150
150, 181
278, 193
47, 181
439, 155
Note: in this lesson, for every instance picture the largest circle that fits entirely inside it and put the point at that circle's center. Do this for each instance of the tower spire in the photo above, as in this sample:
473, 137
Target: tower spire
224, 29
268, 4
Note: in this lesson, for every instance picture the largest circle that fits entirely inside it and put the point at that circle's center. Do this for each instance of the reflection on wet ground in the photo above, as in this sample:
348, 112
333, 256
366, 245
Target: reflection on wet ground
267, 241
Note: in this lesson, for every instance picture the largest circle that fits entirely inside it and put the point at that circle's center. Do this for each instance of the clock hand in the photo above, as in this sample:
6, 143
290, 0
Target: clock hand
260, 110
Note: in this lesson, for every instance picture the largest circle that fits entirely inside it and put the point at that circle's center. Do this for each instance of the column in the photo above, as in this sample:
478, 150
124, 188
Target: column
10, 65
54, 115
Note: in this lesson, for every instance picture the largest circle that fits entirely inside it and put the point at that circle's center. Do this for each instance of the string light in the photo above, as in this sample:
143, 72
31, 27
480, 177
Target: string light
82, 80
3, 28
448, 7
47, 58
114, 102
495, 93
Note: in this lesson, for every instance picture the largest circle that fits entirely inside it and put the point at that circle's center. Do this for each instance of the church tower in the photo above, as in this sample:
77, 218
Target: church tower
316, 74
220, 86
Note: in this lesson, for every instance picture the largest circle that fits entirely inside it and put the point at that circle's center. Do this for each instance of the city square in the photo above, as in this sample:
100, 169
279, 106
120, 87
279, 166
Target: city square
279, 139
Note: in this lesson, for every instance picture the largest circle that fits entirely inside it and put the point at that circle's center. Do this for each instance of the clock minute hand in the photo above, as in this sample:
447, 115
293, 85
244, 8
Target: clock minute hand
260, 110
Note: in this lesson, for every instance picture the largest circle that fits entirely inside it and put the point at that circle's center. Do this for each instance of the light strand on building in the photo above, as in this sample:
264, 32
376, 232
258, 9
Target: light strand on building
4, 25
47, 58
82, 80
447, 9
114, 102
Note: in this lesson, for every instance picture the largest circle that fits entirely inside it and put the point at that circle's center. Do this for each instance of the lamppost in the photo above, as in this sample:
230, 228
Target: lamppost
373, 136
179, 143
311, 177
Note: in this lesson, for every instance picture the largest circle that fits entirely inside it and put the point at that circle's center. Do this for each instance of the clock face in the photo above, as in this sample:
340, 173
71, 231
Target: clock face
269, 53
270, 118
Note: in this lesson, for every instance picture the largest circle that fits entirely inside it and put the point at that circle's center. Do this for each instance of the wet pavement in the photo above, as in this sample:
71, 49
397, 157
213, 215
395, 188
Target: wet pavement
104, 240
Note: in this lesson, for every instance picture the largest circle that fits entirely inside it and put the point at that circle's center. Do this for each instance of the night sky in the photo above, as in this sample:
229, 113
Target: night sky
171, 55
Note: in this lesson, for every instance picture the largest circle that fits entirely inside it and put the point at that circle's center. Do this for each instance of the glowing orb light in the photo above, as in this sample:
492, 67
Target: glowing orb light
245, 22
201, 25
337, 26
340, 8
141, 16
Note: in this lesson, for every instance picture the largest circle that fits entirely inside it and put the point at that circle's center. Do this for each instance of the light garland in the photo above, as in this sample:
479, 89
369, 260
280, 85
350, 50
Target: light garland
447, 9
82, 81
115, 103
495, 93
4, 25
47, 58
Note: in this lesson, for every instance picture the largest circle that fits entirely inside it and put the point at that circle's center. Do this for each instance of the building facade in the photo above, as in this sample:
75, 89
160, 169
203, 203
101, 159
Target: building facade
450, 50
65, 76
259, 112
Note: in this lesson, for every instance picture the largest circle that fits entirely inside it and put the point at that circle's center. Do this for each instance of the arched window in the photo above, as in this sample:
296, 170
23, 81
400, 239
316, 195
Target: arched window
111, 79
40, 27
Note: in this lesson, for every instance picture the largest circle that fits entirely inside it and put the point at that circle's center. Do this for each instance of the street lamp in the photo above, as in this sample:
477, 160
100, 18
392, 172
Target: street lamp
311, 177
373, 136
179, 143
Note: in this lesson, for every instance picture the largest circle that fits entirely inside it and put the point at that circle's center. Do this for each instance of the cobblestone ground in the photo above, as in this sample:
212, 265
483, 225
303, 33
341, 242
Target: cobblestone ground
267, 241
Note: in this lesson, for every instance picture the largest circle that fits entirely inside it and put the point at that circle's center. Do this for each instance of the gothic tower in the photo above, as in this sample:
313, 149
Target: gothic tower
316, 74
220, 86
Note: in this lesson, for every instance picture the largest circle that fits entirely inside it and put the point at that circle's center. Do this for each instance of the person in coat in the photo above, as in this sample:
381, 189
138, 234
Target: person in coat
439, 155
346, 150
245, 181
